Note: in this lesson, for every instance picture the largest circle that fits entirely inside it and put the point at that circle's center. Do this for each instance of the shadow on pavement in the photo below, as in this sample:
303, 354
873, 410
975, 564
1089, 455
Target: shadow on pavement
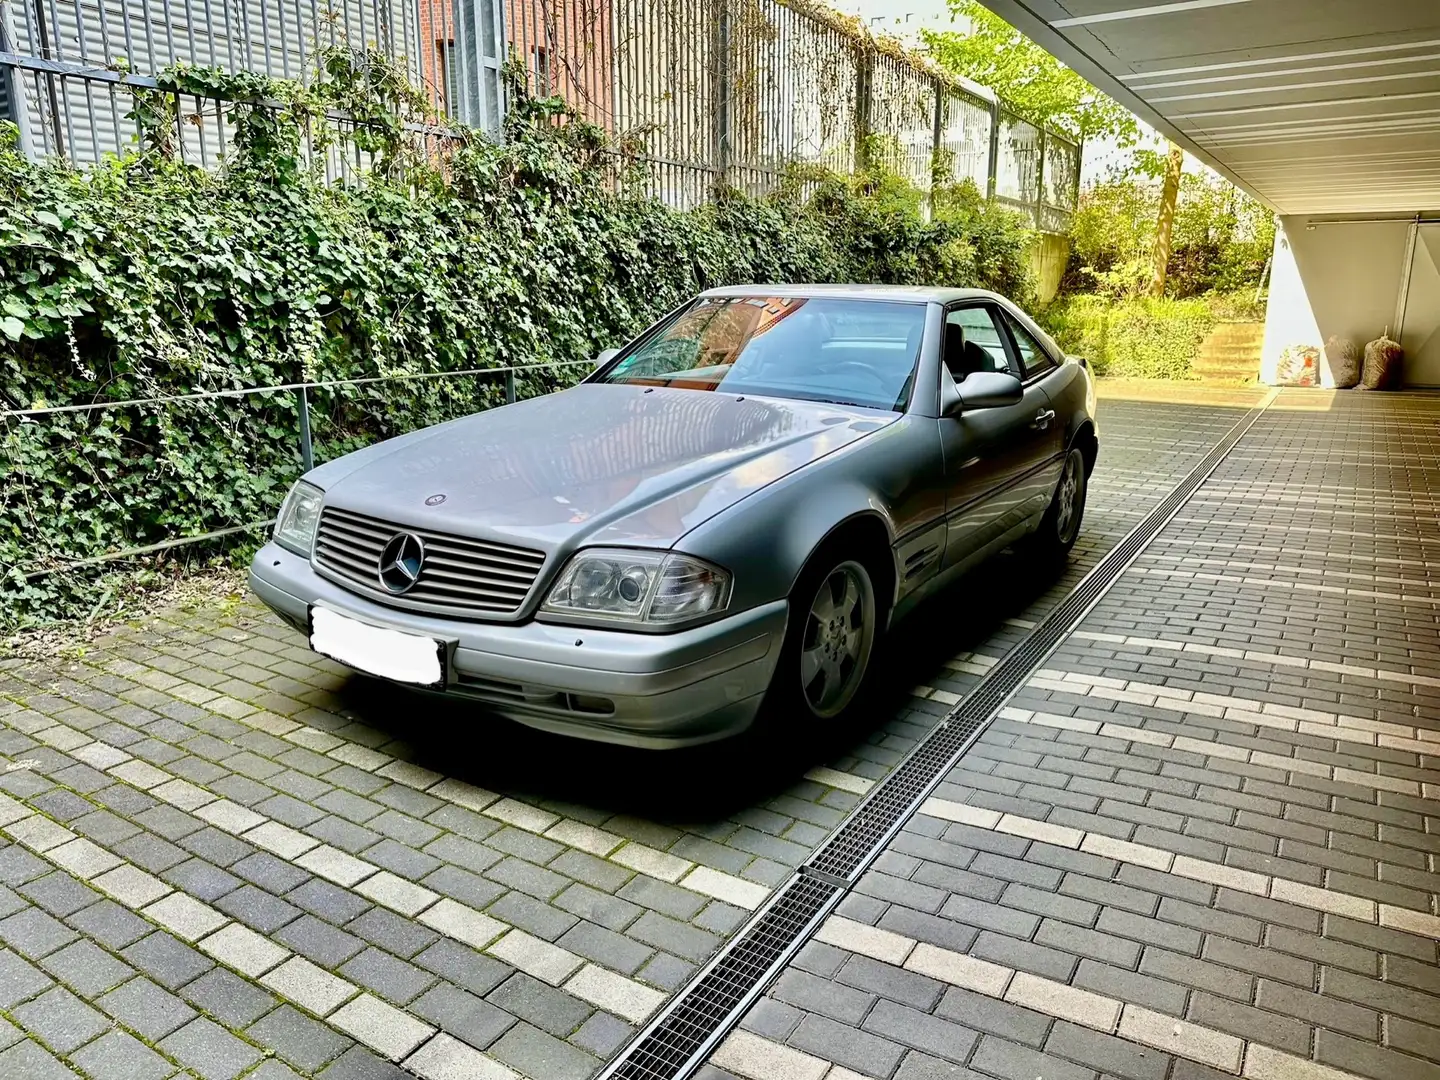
698, 784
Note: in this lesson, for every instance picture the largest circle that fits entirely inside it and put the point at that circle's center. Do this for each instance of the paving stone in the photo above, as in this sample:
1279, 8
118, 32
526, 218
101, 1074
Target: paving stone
269, 872
540, 1004
19, 979
1011, 1062
674, 937
234, 1001
201, 880
816, 995
886, 980
59, 893
861, 1051
602, 1035
120, 1056
27, 1059
167, 960
462, 965
110, 924
390, 978
598, 907
210, 1050
932, 1034
401, 936
141, 1005
666, 971
534, 1053
982, 1013
33, 934
61, 1019
462, 1014
86, 968
303, 1042
360, 1063
663, 897
326, 945
1352, 1055
531, 915
612, 950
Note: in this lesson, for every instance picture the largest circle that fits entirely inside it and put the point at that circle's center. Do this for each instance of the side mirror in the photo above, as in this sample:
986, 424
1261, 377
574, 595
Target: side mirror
986, 390
1084, 363
605, 356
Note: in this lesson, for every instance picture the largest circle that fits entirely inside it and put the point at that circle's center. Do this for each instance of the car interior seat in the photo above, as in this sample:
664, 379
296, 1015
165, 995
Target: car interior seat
963, 357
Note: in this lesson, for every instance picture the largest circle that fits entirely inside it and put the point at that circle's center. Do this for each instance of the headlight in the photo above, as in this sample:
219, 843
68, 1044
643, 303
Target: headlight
295, 527
639, 586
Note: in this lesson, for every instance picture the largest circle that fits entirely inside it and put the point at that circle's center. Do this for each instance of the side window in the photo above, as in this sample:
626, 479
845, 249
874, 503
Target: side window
1034, 358
973, 342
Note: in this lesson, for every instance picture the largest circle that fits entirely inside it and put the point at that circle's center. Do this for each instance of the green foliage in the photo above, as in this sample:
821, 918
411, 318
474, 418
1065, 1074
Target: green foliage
1221, 240
995, 54
1137, 338
146, 277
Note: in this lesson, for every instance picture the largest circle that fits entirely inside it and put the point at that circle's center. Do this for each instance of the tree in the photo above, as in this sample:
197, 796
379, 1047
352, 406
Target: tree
1045, 91
1165, 221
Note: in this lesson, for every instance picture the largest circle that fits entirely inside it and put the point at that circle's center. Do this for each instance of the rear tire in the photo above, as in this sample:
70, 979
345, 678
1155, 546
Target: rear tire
1061, 525
829, 645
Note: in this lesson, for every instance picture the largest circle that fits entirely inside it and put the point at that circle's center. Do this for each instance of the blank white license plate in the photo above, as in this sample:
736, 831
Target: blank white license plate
390, 654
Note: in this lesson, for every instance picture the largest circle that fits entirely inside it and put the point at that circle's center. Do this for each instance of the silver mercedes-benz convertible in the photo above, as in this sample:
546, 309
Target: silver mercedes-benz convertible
717, 525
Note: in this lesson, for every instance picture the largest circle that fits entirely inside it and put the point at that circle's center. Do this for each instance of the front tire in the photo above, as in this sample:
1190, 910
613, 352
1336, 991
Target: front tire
829, 645
1061, 525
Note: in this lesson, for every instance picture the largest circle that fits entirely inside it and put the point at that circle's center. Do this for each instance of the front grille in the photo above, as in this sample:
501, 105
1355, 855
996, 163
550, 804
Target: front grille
460, 576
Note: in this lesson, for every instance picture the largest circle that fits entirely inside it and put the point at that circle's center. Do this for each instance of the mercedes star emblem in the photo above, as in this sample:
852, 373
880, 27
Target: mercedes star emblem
400, 562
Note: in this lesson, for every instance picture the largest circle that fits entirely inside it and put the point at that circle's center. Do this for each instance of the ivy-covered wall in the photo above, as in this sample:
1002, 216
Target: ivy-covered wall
146, 277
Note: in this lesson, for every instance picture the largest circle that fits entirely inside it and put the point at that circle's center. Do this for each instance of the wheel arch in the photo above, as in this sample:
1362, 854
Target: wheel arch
866, 536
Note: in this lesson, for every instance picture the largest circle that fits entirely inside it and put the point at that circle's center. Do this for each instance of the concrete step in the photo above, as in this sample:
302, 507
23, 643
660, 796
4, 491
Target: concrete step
1223, 354
1230, 374
1231, 352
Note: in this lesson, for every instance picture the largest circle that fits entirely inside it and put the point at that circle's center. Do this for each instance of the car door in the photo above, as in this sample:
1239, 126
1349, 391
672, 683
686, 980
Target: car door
1046, 447
989, 453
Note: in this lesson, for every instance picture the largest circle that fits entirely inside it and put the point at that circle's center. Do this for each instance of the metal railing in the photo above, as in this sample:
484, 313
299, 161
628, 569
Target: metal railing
737, 91
513, 382
703, 91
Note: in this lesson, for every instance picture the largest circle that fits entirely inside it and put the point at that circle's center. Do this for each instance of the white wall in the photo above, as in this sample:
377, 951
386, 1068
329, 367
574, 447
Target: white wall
1344, 279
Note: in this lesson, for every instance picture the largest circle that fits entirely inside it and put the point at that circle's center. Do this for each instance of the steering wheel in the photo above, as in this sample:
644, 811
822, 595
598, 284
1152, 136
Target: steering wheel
881, 383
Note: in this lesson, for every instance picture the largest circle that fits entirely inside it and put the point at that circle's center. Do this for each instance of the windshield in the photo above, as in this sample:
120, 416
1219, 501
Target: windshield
849, 352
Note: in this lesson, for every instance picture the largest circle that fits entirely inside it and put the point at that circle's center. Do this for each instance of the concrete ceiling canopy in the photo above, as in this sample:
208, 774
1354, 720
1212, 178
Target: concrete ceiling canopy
1314, 106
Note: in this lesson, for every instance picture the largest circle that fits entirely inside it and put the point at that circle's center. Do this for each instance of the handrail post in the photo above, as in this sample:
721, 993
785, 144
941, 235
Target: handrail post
307, 451
510, 387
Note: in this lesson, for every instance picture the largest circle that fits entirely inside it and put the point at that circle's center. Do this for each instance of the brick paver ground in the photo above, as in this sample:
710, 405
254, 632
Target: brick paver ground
224, 857
1203, 839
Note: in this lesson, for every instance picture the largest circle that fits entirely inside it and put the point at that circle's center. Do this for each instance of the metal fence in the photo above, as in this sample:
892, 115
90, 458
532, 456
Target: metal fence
705, 90
317, 413
739, 90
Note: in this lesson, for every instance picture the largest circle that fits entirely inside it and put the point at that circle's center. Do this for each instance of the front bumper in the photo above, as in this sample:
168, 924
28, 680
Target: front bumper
649, 690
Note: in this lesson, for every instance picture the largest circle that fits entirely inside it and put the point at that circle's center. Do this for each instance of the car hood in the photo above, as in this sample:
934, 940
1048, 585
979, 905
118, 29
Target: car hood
596, 464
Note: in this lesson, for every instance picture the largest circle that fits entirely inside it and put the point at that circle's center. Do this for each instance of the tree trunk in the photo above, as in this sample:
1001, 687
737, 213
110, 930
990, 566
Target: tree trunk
1165, 225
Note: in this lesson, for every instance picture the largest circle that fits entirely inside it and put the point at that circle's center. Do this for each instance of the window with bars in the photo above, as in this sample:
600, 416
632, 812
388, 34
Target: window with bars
472, 61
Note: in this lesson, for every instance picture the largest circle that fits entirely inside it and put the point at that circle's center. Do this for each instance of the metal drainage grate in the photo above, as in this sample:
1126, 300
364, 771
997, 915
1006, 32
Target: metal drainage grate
678, 1040
684, 1034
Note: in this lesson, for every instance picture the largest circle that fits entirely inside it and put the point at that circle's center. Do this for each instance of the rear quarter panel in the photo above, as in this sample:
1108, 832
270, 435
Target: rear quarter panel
1071, 393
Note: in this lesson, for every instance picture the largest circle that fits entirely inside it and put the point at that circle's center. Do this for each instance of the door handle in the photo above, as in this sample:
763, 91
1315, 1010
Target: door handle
1042, 419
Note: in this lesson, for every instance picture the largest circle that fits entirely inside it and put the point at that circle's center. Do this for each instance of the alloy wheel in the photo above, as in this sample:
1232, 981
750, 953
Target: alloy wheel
1069, 499
839, 634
